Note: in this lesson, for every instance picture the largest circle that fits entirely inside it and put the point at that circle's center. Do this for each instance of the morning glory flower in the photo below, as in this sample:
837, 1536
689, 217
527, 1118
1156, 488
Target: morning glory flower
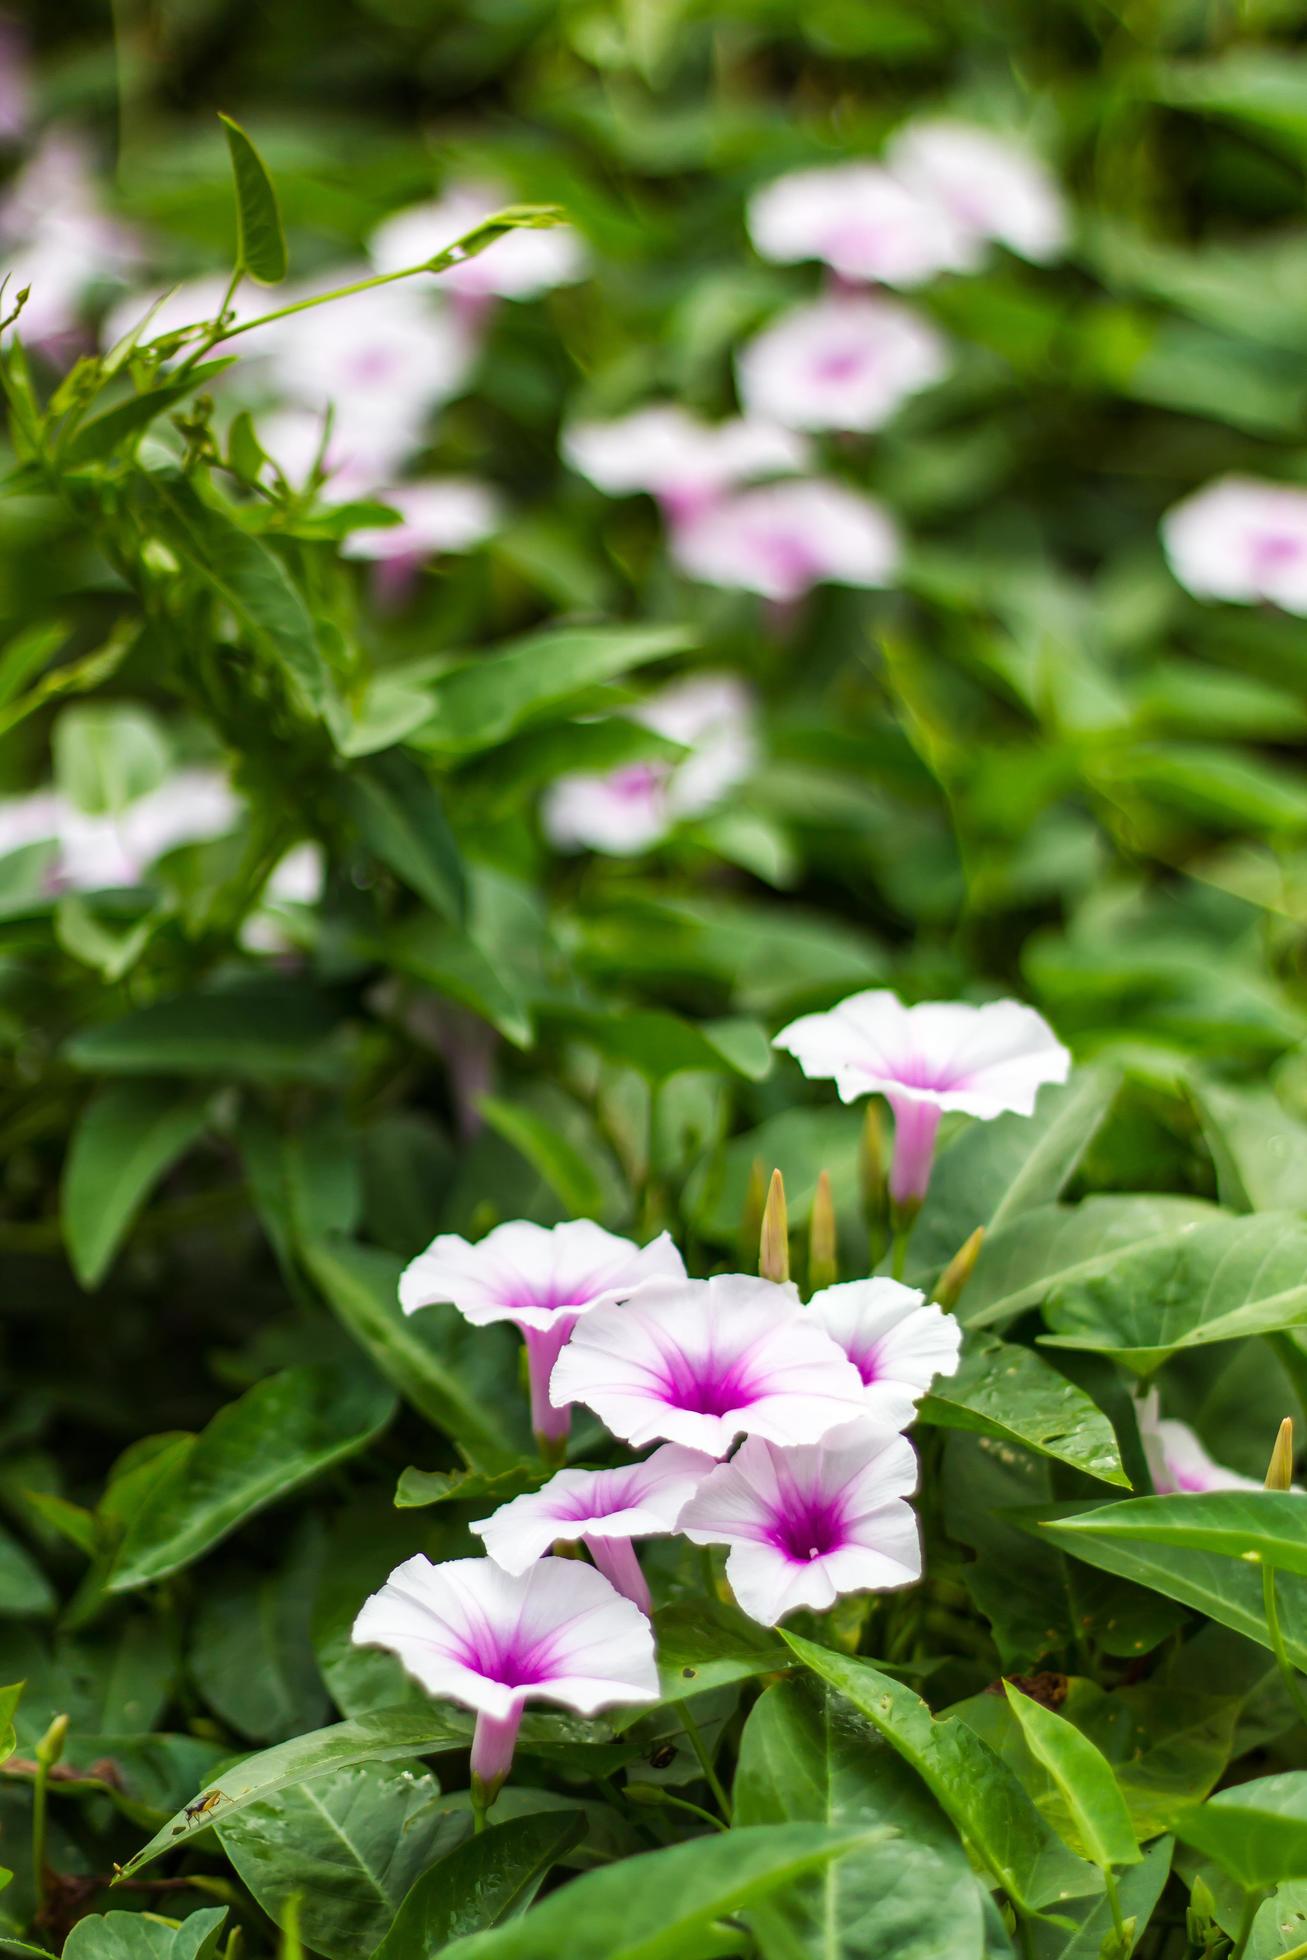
859, 218
605, 1509
897, 1340
91, 853
56, 239
355, 457
781, 539
520, 265
841, 362
702, 1361
472, 1633
543, 1279
438, 516
991, 187
678, 458
937, 1056
1241, 541
805, 1525
1177, 1460
297, 881
627, 810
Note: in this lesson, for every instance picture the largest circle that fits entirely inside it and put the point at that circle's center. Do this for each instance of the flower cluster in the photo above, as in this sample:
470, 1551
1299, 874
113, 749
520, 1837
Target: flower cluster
741, 507
812, 1505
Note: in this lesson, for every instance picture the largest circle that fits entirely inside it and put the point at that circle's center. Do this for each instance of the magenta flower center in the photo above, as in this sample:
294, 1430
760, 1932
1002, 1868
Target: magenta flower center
509, 1658
809, 1528
1275, 549
638, 782
840, 364
706, 1385
867, 1363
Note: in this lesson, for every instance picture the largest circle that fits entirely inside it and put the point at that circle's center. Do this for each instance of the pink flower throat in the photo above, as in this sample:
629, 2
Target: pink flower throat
809, 1529
706, 1387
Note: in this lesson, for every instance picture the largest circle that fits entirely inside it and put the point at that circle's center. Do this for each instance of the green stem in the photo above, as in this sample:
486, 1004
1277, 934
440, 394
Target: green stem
1287, 1671
39, 1804
668, 1802
1114, 1900
711, 1777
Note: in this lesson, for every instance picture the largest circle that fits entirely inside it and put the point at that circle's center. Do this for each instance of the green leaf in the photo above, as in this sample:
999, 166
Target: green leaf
9, 1698
125, 1138
280, 1434
995, 1172
351, 1844
1217, 1281
106, 754
486, 1881
1257, 1832
386, 1735
479, 705
25, 1592
1011, 1394
431, 951
260, 240
1259, 1149
400, 818
418, 1488
1055, 1245
977, 1790
1084, 1778
266, 1031
1225, 1589
703, 1644
94, 440
565, 1169
660, 1044
449, 1372
805, 1756
250, 1652
1262, 1527
140, 1936
249, 580
1139, 1888
665, 1905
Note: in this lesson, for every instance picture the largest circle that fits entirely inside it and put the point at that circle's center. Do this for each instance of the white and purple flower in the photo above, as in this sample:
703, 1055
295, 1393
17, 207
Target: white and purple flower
844, 362
57, 240
605, 1510
1177, 1460
674, 456
1241, 541
990, 187
543, 1279
781, 539
625, 811
702, 1361
862, 221
472, 1633
897, 1340
936, 1056
105, 852
807, 1524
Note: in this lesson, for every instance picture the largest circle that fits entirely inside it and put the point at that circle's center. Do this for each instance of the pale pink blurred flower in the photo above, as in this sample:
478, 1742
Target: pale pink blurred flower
1177, 1460
702, 1361
841, 362
522, 264
991, 187
541, 1278
629, 809
56, 238
437, 515
862, 221
805, 1525
780, 539
469, 1632
937, 1056
297, 881
677, 457
898, 1342
158, 312
604, 1509
106, 852
1241, 540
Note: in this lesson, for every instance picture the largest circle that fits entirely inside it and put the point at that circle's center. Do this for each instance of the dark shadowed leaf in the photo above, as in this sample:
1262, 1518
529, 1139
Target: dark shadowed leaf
400, 817
487, 1880
123, 1142
133, 1936
264, 1032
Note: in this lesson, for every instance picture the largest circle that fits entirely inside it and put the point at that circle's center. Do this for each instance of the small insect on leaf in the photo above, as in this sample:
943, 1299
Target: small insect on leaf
203, 1805
260, 240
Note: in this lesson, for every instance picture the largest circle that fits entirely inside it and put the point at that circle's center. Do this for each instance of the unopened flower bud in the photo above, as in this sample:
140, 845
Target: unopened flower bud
823, 1259
959, 1270
774, 1240
51, 1746
1279, 1472
755, 1199
872, 1172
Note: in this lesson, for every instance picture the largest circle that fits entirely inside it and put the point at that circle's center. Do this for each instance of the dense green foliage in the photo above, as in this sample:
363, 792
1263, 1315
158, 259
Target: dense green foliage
230, 1110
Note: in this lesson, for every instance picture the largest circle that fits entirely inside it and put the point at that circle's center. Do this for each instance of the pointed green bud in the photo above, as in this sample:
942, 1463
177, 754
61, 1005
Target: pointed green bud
755, 1199
51, 1746
1279, 1473
959, 1270
823, 1259
774, 1239
873, 1167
